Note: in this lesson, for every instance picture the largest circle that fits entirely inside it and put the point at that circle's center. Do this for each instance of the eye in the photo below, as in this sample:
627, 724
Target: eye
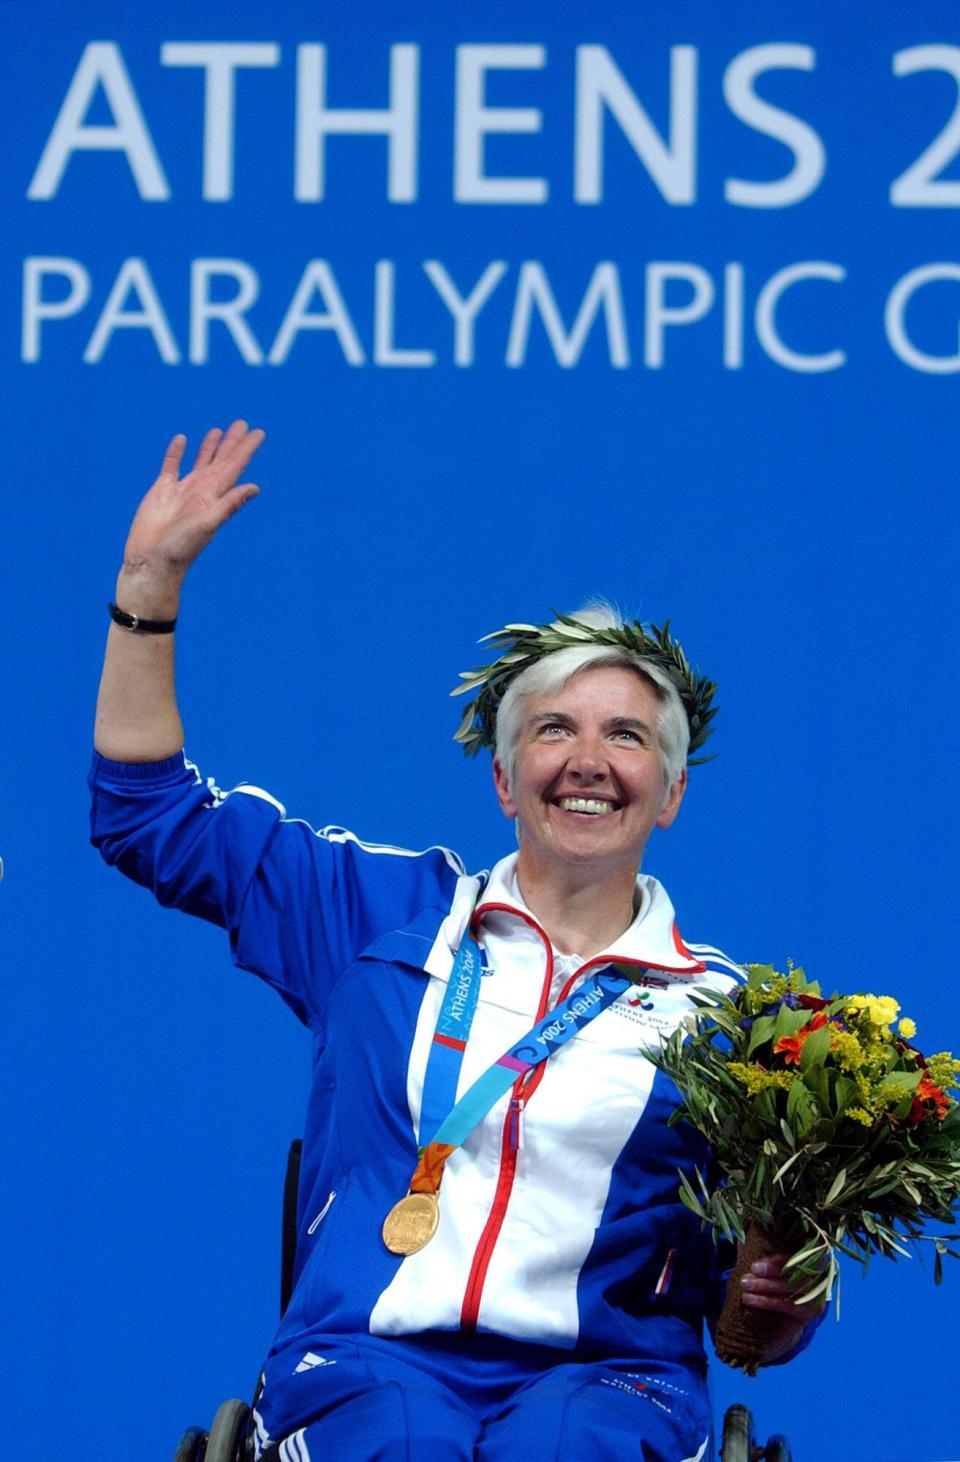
552, 729
625, 733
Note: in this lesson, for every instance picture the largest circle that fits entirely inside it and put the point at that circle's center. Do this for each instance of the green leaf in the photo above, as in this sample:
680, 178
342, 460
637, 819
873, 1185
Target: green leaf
760, 1032
815, 1048
802, 1110
778, 1175
703, 1187
905, 1080
689, 1197
811, 1252
836, 1188
729, 1222
845, 1093
758, 975
758, 1176
817, 1080
788, 1021
823, 1287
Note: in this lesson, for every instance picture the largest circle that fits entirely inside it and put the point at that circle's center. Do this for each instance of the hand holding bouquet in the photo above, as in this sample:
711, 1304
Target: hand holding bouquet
831, 1134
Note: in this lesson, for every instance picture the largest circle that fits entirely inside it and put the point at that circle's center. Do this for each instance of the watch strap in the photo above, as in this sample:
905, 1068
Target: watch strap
141, 626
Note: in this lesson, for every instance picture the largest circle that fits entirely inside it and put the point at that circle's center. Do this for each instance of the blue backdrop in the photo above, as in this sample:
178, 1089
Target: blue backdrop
661, 303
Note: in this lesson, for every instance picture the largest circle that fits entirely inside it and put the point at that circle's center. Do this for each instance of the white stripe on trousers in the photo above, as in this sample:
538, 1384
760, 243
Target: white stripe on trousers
294, 1448
261, 1437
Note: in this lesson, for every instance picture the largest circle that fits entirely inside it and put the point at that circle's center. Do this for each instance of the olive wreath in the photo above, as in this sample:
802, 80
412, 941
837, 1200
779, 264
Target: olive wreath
523, 644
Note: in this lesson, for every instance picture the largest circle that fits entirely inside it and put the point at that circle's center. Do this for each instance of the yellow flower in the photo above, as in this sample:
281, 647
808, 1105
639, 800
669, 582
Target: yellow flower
943, 1069
847, 1049
757, 1079
880, 1010
907, 1028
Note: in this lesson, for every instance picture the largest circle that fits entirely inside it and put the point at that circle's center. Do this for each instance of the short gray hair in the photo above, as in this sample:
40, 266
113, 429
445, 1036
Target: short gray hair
551, 673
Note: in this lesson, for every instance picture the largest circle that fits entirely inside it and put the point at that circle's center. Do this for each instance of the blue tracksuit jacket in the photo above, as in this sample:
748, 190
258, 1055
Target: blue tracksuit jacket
564, 1229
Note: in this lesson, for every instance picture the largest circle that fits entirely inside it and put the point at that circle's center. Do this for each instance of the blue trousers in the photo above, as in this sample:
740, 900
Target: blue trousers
450, 1399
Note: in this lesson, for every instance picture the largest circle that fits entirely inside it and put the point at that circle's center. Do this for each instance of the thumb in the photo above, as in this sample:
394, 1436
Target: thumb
236, 498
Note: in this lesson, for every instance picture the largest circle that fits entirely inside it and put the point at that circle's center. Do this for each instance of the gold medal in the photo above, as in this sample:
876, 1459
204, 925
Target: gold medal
411, 1223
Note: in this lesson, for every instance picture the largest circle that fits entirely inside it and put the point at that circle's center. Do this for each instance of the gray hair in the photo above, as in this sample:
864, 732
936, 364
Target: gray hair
553, 671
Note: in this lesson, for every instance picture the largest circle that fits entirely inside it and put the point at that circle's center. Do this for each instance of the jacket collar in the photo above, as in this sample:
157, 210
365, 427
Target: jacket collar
652, 940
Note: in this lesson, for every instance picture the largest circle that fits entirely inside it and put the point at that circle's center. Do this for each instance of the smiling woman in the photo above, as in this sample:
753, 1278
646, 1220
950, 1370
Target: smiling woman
587, 788
552, 670
492, 1241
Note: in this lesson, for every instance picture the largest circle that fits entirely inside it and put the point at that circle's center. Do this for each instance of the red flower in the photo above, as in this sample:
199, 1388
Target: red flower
789, 1047
811, 1002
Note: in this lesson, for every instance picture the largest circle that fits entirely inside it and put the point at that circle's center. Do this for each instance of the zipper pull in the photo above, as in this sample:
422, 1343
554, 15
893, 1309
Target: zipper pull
516, 1126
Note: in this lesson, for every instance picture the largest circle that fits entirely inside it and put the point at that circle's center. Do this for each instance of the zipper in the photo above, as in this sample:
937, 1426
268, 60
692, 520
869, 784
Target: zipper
521, 1092
510, 1142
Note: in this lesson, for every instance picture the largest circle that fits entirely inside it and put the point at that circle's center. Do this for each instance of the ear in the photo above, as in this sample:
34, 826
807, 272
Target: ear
507, 804
674, 797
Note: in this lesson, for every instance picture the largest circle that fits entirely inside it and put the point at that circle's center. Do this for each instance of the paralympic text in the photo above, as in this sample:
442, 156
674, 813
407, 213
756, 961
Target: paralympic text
792, 315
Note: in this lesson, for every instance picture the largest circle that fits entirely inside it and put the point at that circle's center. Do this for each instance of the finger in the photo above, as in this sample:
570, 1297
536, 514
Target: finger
208, 447
173, 456
780, 1305
234, 500
234, 433
777, 1287
753, 1284
777, 1297
769, 1267
229, 466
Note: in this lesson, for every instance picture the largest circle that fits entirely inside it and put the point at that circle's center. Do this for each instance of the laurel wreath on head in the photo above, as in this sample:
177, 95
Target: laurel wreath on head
523, 644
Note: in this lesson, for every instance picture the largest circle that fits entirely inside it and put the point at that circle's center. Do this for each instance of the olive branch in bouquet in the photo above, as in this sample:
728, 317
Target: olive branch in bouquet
828, 1128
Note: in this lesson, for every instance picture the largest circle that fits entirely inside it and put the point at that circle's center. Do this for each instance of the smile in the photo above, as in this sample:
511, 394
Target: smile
593, 806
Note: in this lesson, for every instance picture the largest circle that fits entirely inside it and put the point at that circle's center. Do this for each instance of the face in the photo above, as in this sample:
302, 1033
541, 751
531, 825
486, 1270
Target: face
588, 784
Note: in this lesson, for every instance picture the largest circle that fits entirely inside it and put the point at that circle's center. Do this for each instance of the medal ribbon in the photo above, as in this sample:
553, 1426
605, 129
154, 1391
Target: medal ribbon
540, 1042
450, 1038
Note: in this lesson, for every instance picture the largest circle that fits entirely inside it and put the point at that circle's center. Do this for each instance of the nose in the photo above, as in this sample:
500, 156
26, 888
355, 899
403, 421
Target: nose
588, 760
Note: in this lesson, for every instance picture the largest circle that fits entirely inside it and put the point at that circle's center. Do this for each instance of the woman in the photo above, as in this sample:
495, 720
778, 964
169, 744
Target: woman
491, 1245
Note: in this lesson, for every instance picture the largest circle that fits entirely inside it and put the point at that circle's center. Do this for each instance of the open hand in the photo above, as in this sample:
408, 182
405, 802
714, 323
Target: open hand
179, 515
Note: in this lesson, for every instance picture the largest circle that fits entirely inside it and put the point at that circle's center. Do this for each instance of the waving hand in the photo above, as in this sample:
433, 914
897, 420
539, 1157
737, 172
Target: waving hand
179, 515
137, 715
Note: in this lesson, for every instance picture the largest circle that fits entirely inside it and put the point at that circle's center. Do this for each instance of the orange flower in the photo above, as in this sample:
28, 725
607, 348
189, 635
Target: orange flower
789, 1047
926, 1091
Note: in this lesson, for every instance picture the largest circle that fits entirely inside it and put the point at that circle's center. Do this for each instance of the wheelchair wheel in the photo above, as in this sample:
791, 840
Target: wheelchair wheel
229, 1432
191, 1446
737, 1445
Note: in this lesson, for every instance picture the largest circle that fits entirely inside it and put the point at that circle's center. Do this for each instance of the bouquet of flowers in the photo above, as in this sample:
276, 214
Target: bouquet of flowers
831, 1133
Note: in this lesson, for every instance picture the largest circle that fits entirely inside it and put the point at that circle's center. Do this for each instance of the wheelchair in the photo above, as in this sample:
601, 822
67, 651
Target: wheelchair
231, 1434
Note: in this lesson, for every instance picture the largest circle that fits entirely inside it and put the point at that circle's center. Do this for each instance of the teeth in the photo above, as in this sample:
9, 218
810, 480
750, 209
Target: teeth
585, 804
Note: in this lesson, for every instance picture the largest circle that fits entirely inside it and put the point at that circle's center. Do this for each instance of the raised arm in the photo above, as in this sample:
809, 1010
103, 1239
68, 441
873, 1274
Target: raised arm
137, 715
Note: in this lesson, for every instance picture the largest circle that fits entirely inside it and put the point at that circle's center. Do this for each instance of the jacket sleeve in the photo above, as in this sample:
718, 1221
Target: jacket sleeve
298, 904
